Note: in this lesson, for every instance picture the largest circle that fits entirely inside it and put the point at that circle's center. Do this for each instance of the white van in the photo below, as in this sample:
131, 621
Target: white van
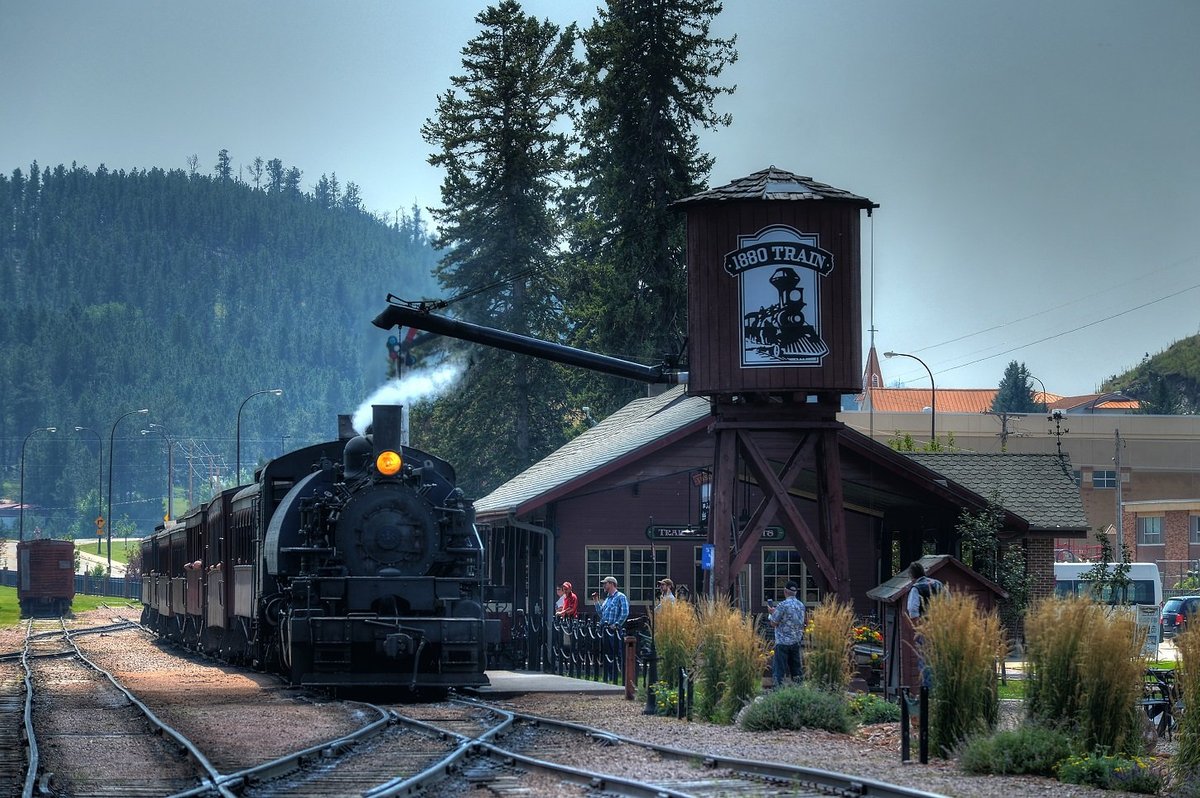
1144, 588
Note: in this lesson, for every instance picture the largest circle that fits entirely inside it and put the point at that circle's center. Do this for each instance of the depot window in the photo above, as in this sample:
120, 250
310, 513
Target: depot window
1104, 479
782, 564
637, 569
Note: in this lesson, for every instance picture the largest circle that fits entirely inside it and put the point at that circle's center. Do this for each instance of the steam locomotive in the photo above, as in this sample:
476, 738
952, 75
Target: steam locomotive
351, 563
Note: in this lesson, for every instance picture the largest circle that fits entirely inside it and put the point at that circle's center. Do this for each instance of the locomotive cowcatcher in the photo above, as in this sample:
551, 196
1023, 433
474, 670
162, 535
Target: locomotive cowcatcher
350, 563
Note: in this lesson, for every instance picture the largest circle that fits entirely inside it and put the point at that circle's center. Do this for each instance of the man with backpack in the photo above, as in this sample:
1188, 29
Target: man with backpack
924, 588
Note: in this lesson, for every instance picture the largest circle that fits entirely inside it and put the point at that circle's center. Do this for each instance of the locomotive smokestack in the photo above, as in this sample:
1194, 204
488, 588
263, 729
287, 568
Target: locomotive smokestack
386, 427
345, 427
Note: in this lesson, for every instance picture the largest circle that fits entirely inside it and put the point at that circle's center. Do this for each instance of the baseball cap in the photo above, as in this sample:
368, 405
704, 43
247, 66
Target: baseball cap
612, 579
791, 585
566, 585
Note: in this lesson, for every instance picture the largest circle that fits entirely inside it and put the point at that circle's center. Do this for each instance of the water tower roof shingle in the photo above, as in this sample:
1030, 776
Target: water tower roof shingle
775, 184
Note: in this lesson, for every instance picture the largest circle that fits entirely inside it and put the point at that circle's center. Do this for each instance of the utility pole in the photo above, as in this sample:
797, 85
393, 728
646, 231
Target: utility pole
1120, 525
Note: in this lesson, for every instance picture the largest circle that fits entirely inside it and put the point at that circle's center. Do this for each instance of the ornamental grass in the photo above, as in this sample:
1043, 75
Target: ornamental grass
732, 657
1185, 766
1085, 670
711, 617
829, 649
960, 644
1055, 629
744, 656
676, 637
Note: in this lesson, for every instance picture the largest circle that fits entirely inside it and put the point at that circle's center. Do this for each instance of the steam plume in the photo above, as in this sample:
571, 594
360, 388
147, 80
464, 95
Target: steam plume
413, 387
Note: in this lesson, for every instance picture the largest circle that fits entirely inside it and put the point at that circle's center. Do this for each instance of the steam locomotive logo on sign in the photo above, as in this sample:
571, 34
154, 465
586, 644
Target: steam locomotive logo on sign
780, 270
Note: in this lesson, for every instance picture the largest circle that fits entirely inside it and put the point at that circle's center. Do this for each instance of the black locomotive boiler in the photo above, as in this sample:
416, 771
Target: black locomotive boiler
351, 563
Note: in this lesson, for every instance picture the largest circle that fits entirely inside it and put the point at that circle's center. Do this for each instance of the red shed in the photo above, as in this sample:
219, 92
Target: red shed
899, 647
45, 576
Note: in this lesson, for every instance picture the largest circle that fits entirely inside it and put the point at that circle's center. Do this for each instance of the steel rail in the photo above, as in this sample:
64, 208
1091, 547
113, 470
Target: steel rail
31, 740
293, 760
859, 786
443, 767
599, 781
195, 753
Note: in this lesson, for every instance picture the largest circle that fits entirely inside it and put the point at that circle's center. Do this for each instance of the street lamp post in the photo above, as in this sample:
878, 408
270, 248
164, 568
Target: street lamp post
99, 487
161, 430
237, 476
932, 395
1045, 405
22, 501
112, 433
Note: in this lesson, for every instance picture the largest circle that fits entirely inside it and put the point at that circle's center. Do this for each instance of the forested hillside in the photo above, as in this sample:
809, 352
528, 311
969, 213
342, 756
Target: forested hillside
1167, 383
183, 293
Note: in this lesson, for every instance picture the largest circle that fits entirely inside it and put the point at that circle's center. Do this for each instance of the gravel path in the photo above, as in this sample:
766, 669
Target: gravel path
872, 752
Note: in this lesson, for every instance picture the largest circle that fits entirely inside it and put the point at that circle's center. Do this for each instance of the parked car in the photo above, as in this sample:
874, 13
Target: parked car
1178, 613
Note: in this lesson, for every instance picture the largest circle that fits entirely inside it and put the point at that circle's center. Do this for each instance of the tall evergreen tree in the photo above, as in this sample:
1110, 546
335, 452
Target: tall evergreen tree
498, 133
1016, 391
649, 85
224, 169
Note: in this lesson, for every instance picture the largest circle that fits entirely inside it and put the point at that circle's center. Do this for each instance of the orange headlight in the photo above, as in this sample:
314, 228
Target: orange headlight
388, 463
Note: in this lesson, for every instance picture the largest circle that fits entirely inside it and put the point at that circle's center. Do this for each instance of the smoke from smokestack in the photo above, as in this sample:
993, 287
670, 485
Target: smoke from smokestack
413, 387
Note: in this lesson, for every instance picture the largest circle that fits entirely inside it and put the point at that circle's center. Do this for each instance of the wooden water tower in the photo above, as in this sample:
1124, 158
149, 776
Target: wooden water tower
774, 338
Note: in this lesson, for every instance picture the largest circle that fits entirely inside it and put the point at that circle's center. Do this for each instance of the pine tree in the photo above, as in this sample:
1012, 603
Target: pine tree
224, 169
498, 133
651, 67
1015, 394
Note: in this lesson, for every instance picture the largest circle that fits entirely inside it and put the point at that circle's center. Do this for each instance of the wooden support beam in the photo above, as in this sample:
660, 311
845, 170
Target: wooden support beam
720, 516
801, 457
832, 512
796, 530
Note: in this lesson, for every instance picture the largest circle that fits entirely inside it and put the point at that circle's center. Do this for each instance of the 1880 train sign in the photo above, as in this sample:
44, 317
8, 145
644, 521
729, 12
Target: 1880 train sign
779, 270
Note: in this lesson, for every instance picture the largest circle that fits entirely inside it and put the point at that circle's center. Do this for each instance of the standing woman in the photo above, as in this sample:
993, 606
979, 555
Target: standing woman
570, 605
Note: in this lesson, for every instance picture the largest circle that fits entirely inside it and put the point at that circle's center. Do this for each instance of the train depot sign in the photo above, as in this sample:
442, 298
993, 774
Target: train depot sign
779, 271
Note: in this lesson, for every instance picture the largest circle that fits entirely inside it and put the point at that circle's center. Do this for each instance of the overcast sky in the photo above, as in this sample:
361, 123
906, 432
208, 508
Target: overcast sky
1037, 163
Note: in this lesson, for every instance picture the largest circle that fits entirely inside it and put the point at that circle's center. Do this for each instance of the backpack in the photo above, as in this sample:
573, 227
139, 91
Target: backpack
926, 589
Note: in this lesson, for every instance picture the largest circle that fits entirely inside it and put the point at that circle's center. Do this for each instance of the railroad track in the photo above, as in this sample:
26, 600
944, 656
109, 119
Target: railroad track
86, 735
436, 749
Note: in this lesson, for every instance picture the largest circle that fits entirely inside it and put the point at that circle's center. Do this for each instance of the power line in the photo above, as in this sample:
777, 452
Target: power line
1074, 329
1139, 279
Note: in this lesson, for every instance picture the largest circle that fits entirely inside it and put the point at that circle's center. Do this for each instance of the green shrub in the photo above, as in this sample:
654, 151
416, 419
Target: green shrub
1030, 749
666, 699
829, 649
1111, 773
799, 706
867, 709
960, 644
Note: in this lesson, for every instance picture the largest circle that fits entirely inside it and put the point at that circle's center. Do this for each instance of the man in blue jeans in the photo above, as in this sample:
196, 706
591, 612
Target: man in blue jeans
788, 619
